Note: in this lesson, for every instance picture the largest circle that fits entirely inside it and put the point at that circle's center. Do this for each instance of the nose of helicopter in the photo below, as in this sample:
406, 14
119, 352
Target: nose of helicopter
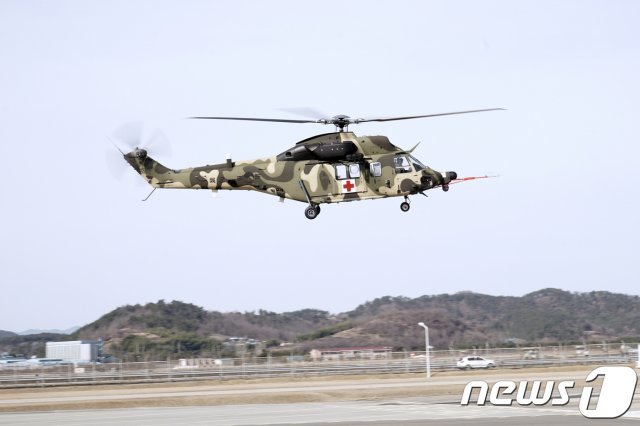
447, 177
434, 178
450, 176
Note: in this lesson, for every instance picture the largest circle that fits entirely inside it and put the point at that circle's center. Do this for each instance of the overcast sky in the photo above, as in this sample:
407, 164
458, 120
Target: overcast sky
77, 243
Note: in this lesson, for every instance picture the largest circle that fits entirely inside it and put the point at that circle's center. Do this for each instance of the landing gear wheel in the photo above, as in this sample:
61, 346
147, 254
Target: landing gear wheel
311, 212
445, 188
405, 206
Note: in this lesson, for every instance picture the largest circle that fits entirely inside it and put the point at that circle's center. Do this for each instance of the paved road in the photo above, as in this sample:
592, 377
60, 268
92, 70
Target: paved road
431, 407
421, 385
393, 412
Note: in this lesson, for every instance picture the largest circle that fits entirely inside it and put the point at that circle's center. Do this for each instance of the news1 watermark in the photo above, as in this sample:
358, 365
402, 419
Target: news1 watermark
614, 399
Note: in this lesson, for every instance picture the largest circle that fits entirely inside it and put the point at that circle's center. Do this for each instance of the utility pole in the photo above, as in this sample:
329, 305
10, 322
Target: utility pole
427, 355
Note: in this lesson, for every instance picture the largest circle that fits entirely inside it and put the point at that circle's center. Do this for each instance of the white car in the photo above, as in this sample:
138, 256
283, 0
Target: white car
467, 362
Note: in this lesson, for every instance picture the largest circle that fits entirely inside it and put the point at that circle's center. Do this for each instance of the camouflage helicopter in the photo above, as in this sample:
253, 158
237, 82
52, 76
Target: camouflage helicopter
327, 168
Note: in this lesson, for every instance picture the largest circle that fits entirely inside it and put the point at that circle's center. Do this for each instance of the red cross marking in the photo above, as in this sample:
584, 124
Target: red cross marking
348, 186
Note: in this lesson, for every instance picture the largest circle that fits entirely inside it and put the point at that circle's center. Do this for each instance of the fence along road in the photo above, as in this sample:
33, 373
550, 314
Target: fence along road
270, 367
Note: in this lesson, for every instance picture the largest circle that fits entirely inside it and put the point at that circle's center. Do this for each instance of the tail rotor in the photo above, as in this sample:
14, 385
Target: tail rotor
131, 138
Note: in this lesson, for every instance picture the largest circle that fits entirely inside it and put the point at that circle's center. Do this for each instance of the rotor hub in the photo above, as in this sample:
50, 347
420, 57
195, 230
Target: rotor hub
137, 153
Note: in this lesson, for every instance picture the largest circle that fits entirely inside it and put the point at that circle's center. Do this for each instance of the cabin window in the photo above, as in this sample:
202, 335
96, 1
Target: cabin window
402, 165
354, 171
375, 169
341, 171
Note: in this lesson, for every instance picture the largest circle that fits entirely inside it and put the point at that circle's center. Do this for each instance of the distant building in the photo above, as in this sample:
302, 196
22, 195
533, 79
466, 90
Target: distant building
515, 340
76, 351
364, 352
243, 344
191, 363
8, 360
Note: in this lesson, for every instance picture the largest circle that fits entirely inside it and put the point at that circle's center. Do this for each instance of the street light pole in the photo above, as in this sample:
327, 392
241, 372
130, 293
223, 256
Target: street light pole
426, 352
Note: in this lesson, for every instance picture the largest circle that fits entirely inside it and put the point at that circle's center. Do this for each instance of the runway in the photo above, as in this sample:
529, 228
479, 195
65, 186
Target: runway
406, 411
356, 401
248, 392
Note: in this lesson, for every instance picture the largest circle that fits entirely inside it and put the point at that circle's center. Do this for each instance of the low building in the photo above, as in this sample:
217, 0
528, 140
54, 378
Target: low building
76, 351
364, 352
203, 362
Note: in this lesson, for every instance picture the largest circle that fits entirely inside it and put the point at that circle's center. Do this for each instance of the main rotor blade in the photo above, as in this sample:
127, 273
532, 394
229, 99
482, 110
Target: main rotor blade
305, 112
362, 120
277, 120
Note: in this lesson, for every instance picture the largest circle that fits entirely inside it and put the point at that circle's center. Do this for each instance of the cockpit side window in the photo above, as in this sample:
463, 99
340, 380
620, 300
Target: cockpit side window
402, 164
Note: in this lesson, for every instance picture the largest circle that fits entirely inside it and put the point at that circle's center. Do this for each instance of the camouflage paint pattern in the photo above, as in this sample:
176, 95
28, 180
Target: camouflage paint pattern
281, 176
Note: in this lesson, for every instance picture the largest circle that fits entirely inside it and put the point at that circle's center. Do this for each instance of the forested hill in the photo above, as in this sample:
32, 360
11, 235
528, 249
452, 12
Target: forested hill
4, 333
455, 320
179, 317
543, 316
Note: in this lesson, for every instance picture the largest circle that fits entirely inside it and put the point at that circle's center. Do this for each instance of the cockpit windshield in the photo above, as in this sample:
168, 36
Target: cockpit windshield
417, 164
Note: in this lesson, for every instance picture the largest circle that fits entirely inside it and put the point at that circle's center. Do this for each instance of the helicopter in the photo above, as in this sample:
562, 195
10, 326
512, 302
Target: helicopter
327, 168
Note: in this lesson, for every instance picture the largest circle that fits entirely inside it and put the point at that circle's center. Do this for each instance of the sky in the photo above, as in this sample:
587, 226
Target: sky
78, 243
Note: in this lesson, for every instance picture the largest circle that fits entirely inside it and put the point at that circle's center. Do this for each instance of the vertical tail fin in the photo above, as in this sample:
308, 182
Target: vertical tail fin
152, 171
